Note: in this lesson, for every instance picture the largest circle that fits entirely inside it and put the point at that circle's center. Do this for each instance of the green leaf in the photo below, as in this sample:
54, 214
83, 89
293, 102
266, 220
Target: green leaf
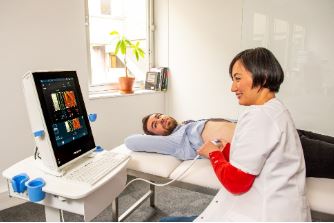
113, 33
137, 55
141, 52
123, 43
117, 47
123, 47
128, 42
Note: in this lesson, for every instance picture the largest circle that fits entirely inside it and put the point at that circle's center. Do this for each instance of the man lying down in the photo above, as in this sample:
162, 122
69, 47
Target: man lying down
164, 135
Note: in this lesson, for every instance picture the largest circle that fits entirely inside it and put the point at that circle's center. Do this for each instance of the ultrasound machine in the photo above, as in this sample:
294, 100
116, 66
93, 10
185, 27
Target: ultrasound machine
63, 136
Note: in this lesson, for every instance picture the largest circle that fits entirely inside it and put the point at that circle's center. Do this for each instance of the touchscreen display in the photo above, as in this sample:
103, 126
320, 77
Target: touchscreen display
62, 105
64, 114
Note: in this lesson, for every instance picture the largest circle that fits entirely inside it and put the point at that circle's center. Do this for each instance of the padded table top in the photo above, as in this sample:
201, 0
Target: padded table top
151, 163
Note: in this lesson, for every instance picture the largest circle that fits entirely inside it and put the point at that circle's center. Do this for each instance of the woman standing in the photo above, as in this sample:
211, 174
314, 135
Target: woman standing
263, 170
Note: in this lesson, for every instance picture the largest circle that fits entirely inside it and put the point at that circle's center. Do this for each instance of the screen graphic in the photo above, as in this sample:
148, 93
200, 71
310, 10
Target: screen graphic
64, 114
62, 106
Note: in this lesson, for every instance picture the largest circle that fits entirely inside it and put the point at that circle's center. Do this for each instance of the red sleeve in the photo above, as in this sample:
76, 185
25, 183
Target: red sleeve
226, 152
234, 180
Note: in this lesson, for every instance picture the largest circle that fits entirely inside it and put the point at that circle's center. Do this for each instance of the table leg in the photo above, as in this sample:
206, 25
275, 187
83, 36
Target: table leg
152, 198
52, 214
114, 210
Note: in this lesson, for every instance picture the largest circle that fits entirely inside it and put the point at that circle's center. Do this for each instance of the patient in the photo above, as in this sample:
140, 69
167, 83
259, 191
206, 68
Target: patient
166, 136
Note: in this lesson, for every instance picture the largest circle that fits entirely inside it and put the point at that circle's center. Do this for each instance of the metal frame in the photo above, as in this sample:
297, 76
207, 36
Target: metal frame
151, 192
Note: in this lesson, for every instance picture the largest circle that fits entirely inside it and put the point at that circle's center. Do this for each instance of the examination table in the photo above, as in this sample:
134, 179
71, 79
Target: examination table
201, 178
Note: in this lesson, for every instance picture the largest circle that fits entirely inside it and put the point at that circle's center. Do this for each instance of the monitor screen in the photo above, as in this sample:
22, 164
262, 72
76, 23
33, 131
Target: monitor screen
65, 114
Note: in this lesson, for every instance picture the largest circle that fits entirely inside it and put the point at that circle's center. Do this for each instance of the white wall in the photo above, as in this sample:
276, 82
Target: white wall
48, 35
197, 39
301, 36
202, 38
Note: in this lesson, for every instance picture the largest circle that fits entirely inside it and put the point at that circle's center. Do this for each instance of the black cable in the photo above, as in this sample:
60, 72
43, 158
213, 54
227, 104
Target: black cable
36, 154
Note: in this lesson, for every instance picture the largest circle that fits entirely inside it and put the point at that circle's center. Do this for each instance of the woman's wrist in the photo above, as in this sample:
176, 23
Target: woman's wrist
214, 153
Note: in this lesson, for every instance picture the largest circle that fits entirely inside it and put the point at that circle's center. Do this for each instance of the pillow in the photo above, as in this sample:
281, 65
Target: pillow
318, 153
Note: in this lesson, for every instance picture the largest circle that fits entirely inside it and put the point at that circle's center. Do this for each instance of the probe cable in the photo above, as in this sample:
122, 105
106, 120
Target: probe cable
164, 184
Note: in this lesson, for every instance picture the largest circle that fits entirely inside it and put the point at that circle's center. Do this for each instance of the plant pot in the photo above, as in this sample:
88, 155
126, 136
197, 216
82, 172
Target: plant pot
126, 84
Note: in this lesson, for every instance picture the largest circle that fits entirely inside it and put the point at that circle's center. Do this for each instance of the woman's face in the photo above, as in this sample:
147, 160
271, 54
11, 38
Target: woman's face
242, 85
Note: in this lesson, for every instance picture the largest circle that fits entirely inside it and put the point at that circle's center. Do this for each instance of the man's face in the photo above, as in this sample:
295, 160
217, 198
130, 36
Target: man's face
160, 124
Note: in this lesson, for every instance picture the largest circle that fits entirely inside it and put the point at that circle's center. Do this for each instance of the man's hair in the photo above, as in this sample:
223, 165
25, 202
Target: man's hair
144, 121
265, 68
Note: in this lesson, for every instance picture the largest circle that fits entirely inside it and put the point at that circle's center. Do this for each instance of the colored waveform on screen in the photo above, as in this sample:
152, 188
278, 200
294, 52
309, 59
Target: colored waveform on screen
72, 125
63, 100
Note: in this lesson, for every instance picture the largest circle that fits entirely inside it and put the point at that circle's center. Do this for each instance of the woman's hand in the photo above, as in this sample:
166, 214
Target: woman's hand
209, 147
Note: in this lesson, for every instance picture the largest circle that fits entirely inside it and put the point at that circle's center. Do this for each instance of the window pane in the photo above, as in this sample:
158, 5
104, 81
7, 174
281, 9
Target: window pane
128, 17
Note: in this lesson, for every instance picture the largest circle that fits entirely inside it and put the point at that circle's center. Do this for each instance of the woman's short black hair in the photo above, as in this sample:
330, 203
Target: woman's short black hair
265, 68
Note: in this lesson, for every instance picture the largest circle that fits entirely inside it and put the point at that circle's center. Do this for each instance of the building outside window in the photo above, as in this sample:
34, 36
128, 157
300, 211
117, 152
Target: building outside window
128, 17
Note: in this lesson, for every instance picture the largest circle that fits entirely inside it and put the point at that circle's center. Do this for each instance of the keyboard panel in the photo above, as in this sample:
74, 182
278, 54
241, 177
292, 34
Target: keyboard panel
95, 168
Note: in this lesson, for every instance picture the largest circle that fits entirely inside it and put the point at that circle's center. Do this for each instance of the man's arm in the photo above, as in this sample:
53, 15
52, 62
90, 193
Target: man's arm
149, 143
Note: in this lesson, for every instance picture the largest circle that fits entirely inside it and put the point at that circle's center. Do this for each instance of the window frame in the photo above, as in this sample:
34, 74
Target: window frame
113, 87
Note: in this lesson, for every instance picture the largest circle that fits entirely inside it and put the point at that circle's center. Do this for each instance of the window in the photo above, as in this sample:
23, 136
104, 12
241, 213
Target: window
128, 17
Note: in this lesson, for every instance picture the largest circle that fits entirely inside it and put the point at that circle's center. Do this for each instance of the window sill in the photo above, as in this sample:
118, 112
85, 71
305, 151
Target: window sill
115, 93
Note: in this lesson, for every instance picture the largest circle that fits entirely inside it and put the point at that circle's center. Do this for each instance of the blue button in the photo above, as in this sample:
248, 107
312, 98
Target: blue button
92, 117
98, 149
39, 133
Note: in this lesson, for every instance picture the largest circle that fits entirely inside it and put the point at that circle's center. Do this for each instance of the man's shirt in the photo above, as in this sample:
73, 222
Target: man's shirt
182, 143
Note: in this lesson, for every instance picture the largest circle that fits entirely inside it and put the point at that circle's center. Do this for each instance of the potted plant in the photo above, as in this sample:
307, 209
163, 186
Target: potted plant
122, 45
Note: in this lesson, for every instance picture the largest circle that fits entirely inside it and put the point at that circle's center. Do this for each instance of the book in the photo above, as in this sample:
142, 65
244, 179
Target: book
158, 84
152, 80
164, 79
161, 82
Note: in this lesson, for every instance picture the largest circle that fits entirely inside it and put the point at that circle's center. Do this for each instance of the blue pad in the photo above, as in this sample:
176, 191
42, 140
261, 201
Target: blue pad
178, 219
